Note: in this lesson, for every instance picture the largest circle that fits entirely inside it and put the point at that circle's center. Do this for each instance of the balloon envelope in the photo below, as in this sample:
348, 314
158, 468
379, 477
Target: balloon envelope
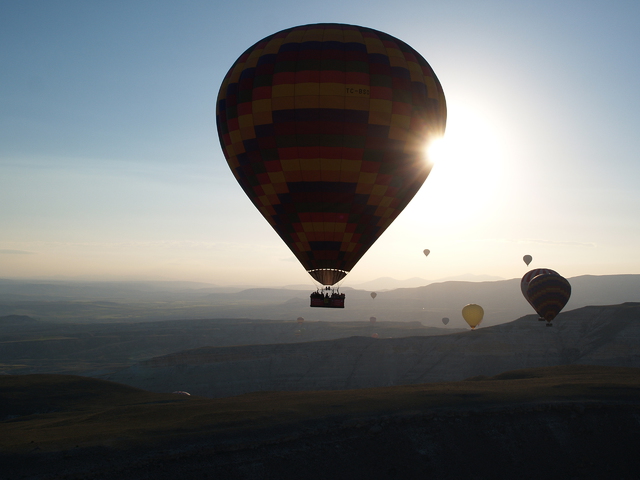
426, 252
527, 277
527, 259
372, 319
473, 314
300, 320
548, 294
374, 335
374, 294
445, 320
325, 126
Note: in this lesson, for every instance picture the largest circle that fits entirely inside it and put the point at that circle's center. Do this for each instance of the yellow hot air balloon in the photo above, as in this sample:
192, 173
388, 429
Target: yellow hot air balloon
473, 314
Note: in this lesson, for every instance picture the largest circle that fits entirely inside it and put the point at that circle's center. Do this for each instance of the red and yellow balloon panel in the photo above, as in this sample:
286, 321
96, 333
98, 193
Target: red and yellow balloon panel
325, 126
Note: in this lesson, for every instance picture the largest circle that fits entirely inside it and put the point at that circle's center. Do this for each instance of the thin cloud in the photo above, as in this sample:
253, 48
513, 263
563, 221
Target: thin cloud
529, 241
15, 252
560, 243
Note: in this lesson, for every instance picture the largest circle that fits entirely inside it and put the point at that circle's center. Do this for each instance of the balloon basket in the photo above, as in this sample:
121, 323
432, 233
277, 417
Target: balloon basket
326, 300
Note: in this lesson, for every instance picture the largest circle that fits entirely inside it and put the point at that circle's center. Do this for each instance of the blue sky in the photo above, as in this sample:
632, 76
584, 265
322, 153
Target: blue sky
110, 166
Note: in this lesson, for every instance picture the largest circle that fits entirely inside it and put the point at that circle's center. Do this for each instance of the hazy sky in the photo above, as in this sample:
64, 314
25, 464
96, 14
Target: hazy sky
110, 165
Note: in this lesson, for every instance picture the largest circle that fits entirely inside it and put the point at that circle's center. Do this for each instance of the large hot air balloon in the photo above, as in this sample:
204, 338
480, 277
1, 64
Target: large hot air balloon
527, 277
325, 126
548, 294
426, 252
473, 314
445, 320
374, 294
527, 259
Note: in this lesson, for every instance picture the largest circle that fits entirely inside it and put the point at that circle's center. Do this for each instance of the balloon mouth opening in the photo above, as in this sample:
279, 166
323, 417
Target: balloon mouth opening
327, 276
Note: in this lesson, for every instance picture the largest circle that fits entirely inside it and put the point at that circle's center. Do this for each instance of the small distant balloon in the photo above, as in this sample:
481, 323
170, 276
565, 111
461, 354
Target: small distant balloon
372, 320
445, 320
527, 259
374, 294
473, 315
426, 252
300, 320
548, 294
374, 335
180, 392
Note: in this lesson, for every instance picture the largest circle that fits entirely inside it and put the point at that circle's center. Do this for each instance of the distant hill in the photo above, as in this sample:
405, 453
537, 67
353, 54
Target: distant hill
502, 301
99, 348
596, 335
17, 320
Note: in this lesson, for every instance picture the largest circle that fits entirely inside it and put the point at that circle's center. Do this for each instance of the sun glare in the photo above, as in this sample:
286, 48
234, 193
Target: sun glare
467, 164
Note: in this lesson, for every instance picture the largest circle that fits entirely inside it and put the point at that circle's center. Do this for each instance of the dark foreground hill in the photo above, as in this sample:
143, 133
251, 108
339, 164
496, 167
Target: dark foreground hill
598, 335
554, 423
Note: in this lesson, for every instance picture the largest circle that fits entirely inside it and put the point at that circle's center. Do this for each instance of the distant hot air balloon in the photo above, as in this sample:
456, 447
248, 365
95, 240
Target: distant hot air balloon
426, 252
473, 314
180, 392
372, 320
324, 126
527, 277
300, 320
374, 335
548, 294
527, 259
374, 294
445, 320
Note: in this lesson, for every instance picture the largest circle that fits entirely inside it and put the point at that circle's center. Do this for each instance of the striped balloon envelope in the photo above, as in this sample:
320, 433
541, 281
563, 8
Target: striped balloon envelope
325, 127
524, 283
548, 294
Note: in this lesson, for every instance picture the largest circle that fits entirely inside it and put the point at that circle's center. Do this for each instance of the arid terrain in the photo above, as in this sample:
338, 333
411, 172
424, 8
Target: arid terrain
556, 422
90, 397
604, 335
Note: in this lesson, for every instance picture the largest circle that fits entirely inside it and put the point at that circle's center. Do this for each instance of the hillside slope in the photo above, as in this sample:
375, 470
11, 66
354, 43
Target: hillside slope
597, 335
558, 422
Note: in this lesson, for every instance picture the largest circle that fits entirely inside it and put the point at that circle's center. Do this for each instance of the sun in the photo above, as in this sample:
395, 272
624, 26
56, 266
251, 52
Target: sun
466, 164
